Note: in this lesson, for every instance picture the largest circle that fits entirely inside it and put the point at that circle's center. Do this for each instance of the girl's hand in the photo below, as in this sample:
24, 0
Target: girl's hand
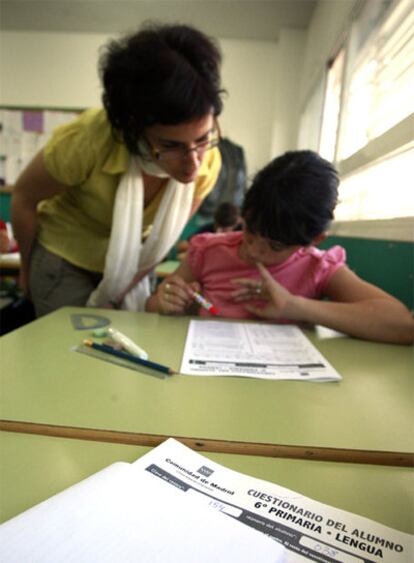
249, 290
174, 297
279, 299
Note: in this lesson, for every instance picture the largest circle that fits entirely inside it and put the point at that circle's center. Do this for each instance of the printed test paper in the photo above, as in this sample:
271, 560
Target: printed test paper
253, 350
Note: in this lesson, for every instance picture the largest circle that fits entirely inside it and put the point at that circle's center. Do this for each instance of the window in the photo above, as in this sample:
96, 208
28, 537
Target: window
368, 122
310, 119
380, 89
332, 107
379, 191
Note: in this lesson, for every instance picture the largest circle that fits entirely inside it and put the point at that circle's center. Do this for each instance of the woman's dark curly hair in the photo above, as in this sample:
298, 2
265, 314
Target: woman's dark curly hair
292, 199
166, 74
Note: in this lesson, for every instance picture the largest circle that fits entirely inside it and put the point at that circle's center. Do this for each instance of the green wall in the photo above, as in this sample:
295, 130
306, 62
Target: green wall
5, 206
387, 264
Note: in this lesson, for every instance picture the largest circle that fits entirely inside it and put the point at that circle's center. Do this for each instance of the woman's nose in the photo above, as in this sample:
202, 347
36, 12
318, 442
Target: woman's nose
194, 157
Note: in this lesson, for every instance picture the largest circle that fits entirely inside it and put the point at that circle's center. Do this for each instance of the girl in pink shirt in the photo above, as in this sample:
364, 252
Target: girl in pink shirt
272, 270
215, 261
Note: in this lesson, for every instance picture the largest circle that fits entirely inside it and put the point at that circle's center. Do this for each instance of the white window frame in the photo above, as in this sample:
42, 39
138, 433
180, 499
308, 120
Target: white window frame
400, 137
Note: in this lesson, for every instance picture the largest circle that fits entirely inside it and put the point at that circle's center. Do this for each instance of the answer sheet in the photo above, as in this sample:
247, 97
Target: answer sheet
309, 530
266, 351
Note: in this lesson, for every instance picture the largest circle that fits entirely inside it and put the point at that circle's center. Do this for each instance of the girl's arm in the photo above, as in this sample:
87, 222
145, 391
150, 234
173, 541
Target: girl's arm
356, 307
172, 296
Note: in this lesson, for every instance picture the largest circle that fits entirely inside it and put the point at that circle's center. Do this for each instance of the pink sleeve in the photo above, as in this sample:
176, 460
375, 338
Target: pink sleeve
331, 261
196, 253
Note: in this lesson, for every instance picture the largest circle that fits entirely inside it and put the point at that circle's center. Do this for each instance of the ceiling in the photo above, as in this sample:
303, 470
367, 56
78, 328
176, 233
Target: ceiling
229, 19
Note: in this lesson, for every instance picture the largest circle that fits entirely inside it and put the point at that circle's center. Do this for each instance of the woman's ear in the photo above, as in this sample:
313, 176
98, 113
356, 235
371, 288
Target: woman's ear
320, 238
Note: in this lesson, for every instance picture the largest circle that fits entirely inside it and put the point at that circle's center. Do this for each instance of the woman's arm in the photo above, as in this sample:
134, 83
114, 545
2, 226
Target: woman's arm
356, 307
172, 296
34, 185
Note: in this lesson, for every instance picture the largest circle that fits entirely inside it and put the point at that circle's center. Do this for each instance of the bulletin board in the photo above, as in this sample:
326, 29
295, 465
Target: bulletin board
23, 132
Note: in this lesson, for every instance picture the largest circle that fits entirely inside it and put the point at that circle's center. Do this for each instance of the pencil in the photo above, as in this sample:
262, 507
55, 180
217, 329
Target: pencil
129, 357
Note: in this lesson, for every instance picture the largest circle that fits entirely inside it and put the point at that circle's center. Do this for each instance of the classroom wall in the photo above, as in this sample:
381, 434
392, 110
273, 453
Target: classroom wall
49, 69
286, 96
250, 76
59, 70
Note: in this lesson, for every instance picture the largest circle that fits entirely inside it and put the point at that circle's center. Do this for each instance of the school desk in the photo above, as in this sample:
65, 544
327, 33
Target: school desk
33, 468
49, 389
166, 268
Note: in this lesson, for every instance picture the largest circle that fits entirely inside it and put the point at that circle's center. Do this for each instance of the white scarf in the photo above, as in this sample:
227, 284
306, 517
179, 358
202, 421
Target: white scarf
127, 257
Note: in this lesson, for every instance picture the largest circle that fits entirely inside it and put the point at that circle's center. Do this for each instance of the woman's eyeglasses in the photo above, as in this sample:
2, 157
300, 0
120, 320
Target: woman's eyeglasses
178, 152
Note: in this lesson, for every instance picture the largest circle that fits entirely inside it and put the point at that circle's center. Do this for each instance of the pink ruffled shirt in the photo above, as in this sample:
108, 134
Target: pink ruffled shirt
214, 261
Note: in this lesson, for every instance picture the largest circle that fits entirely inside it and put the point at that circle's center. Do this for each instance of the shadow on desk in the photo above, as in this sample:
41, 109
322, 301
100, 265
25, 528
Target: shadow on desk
15, 309
14, 313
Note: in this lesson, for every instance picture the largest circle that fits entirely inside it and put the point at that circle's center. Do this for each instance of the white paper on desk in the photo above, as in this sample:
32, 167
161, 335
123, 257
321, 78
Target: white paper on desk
262, 350
126, 514
309, 530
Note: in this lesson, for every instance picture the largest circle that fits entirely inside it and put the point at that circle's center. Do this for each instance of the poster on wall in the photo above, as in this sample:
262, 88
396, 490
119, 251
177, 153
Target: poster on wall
23, 132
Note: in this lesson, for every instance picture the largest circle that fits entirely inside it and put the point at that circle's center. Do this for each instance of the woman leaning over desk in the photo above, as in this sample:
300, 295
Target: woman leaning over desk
110, 193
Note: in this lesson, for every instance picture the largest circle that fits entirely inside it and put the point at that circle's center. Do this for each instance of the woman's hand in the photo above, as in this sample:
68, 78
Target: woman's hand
278, 299
174, 297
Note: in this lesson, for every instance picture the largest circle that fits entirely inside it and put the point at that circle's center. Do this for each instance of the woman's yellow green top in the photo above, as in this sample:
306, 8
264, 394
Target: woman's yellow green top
85, 156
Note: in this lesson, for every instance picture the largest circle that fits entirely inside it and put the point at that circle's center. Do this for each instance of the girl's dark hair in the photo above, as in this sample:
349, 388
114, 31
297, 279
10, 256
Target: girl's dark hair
166, 74
292, 199
227, 214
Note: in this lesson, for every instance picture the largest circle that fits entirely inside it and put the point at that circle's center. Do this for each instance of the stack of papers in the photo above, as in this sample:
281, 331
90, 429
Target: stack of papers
262, 350
176, 506
131, 513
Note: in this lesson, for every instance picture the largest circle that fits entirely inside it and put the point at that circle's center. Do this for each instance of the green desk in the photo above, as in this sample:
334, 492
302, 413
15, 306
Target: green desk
33, 468
166, 268
44, 382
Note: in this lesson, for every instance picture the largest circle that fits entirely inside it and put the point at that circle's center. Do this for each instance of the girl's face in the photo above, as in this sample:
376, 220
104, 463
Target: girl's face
255, 248
179, 149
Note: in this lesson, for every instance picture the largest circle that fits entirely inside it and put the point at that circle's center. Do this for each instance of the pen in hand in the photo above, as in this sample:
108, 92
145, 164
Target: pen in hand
204, 302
